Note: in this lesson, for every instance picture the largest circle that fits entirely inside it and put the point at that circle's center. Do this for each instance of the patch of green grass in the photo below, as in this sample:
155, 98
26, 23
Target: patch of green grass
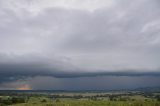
84, 102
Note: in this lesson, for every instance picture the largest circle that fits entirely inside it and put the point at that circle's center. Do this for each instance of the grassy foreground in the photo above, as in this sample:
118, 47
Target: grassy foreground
85, 102
51, 98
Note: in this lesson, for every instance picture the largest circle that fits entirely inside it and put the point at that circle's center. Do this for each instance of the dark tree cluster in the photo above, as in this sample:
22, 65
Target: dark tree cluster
12, 100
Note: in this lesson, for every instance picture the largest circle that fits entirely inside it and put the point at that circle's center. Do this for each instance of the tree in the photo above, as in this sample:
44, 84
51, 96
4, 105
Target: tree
44, 100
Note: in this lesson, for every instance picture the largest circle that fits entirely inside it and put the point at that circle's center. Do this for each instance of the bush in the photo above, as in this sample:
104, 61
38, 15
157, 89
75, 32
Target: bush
57, 100
7, 102
158, 98
18, 100
44, 100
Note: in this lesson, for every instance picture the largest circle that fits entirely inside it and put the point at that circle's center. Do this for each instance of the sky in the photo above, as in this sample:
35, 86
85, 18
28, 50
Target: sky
79, 44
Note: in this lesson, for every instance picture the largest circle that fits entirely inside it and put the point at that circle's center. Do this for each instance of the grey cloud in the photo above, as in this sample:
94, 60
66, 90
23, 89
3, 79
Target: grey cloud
120, 41
31, 66
20, 67
115, 28
86, 83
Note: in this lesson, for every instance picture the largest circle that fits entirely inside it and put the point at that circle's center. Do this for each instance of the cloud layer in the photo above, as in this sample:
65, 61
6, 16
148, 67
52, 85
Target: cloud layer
75, 38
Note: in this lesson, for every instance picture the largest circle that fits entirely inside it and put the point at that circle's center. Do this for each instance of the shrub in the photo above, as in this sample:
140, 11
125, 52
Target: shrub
44, 100
57, 100
18, 100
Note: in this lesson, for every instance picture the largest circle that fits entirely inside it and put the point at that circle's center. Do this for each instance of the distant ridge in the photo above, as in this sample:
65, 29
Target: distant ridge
142, 89
148, 89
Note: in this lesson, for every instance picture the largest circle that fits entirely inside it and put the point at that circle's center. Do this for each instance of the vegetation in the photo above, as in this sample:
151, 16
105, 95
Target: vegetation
80, 99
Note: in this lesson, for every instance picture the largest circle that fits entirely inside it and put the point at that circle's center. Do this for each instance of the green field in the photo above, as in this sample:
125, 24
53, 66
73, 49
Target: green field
79, 99
74, 102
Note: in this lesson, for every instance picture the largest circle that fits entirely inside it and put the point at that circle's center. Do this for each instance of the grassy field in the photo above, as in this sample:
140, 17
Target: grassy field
85, 102
79, 99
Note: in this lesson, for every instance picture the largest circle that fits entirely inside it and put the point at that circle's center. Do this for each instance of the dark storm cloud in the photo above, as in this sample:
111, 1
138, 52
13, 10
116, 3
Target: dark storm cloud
33, 66
88, 83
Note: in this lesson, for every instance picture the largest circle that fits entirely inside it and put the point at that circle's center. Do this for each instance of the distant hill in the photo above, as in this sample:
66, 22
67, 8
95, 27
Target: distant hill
142, 89
148, 89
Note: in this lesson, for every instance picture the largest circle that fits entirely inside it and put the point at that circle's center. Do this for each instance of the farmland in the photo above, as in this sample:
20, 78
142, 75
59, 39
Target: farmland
85, 98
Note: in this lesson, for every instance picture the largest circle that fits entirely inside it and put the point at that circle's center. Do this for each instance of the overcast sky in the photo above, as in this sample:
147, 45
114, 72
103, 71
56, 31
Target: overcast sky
91, 41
